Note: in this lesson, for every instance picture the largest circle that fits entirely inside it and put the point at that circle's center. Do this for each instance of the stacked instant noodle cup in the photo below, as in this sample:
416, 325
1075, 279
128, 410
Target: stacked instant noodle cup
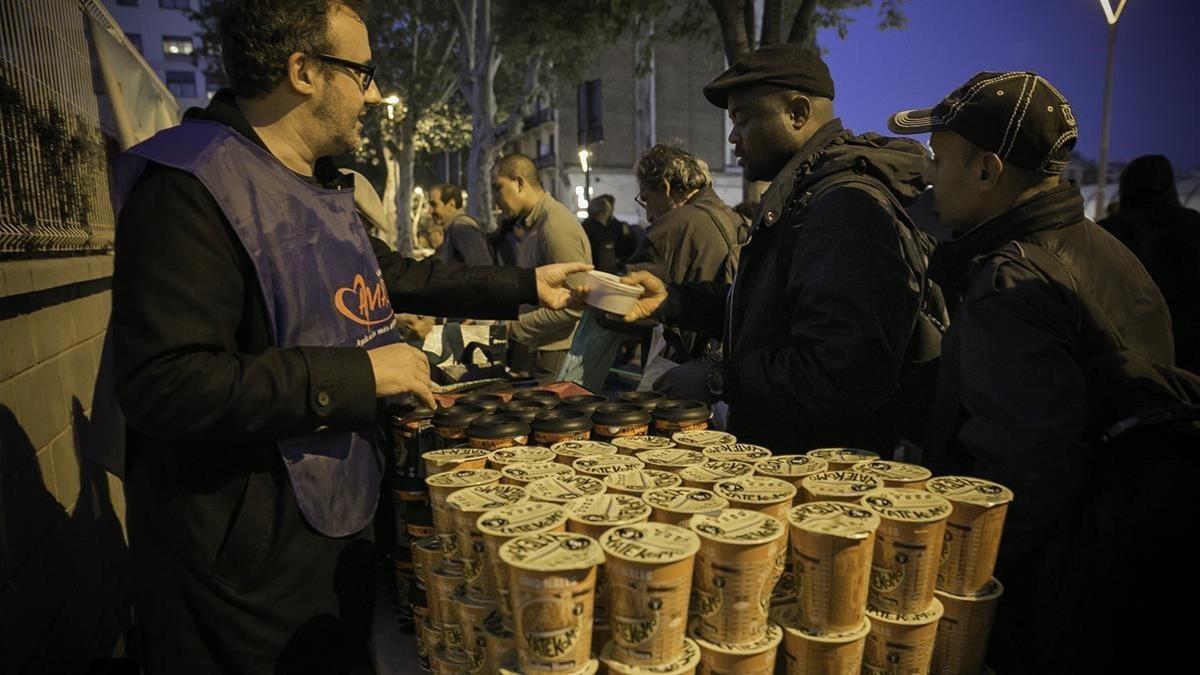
741, 558
670, 548
965, 585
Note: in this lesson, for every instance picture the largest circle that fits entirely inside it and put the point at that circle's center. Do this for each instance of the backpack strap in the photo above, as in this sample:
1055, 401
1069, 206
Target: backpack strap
915, 243
731, 258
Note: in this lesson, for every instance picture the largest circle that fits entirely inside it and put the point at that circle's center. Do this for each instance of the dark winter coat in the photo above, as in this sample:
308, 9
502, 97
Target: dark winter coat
1013, 407
818, 325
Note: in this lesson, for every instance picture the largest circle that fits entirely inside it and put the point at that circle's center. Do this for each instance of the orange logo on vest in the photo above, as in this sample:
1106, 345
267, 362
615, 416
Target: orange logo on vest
371, 301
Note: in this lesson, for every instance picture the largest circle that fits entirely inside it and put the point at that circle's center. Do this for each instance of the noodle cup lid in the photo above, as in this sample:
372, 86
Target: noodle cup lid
737, 526
967, 490
927, 616
992, 590
841, 483
755, 490
790, 466
789, 619
497, 427
607, 464
839, 519
521, 453
685, 500
889, 470
711, 471
552, 552
464, 478
485, 497
842, 455
564, 488
686, 663
642, 480
607, 509
578, 449
911, 506
521, 518
671, 457
453, 455
740, 452
703, 437
769, 640
657, 543
638, 443
531, 471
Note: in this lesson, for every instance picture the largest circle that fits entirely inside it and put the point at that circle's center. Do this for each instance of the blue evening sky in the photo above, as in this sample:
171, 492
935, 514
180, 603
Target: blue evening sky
1156, 104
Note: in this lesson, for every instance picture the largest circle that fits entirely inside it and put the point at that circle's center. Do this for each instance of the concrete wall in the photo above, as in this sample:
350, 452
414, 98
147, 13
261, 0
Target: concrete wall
62, 544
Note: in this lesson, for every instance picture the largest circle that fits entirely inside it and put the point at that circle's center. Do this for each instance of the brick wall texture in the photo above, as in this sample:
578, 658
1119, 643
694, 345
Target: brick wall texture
63, 601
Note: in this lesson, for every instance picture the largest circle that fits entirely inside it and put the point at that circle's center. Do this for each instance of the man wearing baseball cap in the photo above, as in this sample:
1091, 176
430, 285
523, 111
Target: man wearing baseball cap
1036, 278
828, 313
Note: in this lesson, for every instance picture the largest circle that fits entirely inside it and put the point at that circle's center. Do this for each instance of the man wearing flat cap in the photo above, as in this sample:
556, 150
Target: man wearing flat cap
829, 314
1050, 305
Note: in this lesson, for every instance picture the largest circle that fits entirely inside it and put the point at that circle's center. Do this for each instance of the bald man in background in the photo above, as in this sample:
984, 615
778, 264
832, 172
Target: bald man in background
552, 234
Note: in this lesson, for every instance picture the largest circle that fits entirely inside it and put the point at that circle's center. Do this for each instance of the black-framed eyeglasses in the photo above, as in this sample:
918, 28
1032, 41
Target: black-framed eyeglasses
639, 200
367, 70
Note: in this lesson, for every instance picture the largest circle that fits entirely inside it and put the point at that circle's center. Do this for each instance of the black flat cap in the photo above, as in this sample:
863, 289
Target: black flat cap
784, 66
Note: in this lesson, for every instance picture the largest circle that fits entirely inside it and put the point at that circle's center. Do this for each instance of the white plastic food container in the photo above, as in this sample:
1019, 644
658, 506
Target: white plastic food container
606, 292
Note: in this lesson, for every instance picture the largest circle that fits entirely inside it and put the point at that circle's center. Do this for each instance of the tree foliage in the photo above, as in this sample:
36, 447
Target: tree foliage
734, 27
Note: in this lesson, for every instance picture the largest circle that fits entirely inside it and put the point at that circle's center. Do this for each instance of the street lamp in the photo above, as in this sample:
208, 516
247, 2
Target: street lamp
391, 102
1111, 17
584, 156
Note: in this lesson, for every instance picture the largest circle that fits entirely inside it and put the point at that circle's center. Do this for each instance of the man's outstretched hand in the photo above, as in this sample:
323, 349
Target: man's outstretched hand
552, 289
654, 293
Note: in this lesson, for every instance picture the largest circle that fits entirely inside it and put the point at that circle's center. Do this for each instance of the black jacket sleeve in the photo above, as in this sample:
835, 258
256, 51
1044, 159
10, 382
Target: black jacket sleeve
190, 333
436, 288
698, 306
1024, 398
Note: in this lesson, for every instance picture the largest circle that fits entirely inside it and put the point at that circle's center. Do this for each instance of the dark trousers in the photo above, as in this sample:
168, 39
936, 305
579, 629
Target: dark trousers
278, 597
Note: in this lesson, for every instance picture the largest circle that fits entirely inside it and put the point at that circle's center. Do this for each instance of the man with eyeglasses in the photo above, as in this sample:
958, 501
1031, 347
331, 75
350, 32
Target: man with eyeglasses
829, 315
254, 341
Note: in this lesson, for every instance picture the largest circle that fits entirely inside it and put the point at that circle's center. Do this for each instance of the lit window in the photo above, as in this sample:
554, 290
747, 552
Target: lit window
175, 45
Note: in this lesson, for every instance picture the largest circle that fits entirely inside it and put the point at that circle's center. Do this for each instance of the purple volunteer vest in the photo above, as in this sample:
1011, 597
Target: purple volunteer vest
321, 283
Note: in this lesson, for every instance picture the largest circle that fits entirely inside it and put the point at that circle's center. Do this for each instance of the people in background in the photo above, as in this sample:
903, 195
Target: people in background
1165, 236
463, 238
552, 234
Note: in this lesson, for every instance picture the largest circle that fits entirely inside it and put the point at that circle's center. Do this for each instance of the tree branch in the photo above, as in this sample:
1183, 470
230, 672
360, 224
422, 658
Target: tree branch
804, 31
733, 29
748, 20
772, 22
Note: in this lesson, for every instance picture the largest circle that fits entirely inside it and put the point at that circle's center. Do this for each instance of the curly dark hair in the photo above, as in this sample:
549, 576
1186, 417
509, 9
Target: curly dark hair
258, 36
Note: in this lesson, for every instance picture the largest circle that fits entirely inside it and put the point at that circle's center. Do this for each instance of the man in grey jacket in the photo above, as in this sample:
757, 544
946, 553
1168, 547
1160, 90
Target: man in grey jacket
464, 239
552, 233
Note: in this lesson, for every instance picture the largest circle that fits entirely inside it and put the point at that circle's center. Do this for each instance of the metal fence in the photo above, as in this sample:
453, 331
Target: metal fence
54, 140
